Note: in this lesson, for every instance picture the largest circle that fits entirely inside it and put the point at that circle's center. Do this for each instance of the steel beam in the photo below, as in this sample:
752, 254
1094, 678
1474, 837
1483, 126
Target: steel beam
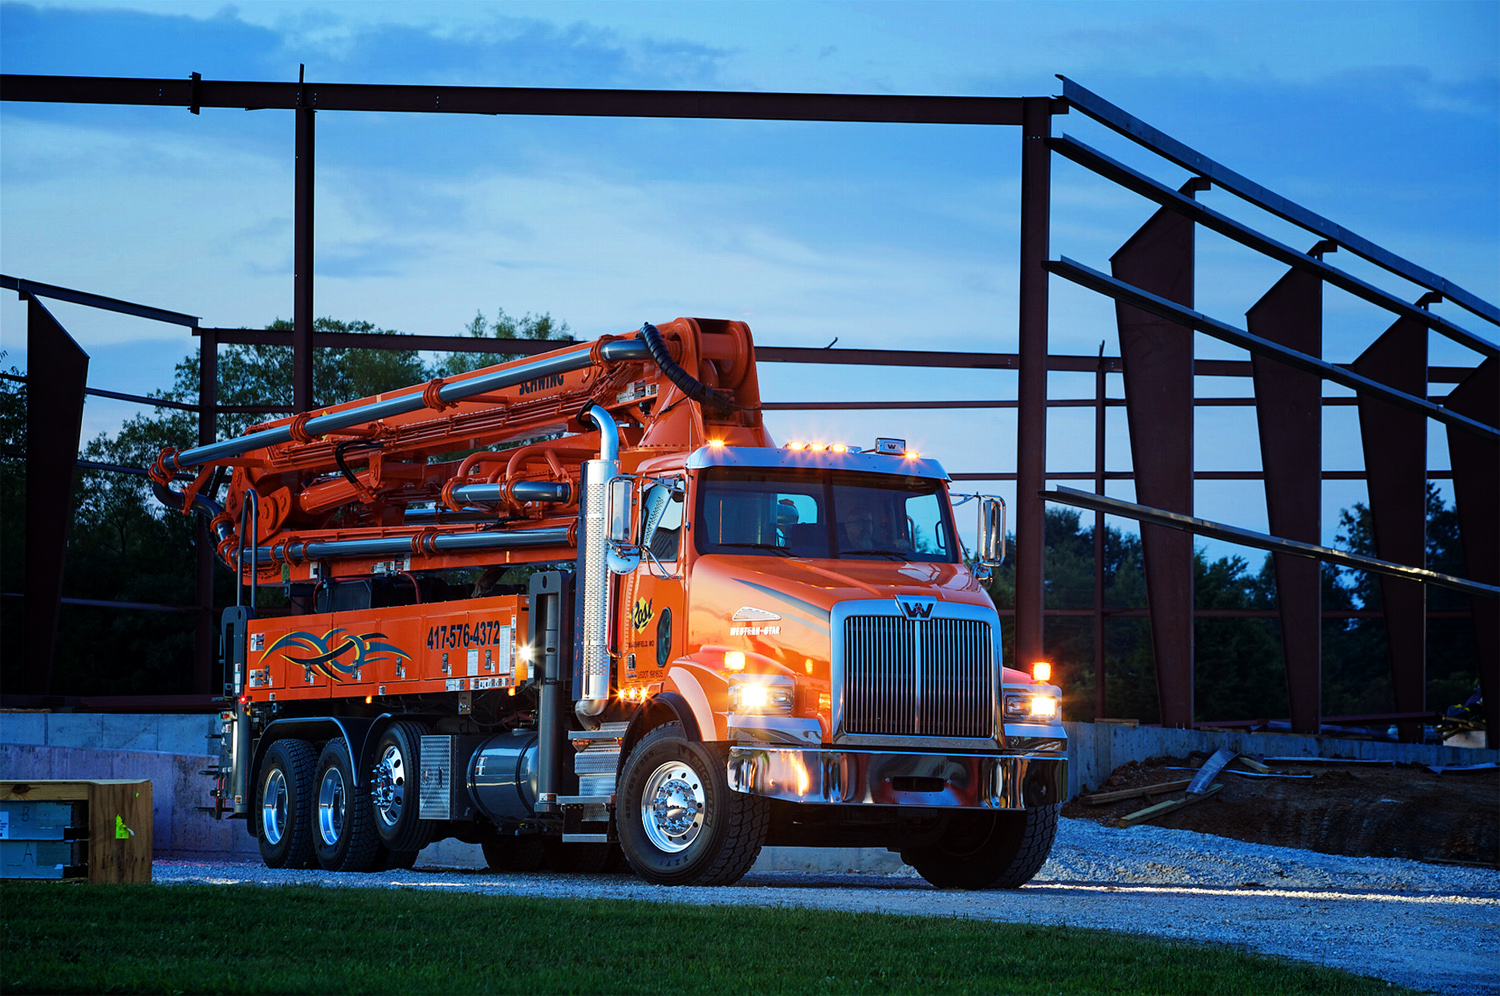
1031, 391
52, 292
302, 254
1289, 414
203, 537
1395, 448
1145, 300
1246, 236
1476, 490
1262, 541
57, 370
1169, 148
1158, 360
188, 93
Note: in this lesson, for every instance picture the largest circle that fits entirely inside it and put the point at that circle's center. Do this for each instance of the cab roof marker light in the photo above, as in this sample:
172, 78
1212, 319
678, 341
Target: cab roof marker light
796, 445
716, 444
912, 454
839, 448
817, 447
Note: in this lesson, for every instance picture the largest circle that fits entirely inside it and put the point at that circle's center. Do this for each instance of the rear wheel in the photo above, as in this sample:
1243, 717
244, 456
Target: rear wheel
393, 788
987, 850
284, 802
678, 820
344, 833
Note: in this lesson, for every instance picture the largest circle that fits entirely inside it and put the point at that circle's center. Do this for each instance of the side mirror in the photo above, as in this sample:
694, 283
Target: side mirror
622, 548
991, 532
619, 513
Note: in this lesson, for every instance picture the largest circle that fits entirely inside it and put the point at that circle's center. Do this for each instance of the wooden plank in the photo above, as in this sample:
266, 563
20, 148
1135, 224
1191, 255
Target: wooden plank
1163, 808
119, 821
1099, 798
119, 832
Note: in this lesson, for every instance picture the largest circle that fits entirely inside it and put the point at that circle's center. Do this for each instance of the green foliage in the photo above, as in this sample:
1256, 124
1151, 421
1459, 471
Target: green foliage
505, 326
213, 939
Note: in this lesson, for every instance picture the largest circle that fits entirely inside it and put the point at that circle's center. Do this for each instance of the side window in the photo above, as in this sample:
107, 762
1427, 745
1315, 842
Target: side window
664, 503
924, 518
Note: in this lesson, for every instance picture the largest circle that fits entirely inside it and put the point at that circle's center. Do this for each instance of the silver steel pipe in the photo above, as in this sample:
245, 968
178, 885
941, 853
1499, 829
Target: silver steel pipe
593, 567
620, 350
393, 546
548, 491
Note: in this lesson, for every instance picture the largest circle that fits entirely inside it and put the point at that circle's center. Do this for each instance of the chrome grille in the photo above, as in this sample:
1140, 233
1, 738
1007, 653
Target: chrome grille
923, 677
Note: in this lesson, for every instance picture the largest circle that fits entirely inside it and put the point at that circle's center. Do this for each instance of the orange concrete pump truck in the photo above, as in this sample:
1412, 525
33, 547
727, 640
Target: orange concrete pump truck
580, 605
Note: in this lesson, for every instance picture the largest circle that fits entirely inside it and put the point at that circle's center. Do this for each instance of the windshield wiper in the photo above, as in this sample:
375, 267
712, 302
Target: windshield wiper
897, 554
783, 551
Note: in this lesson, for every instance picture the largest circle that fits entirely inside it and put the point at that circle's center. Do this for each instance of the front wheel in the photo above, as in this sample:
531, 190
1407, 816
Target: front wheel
679, 822
987, 850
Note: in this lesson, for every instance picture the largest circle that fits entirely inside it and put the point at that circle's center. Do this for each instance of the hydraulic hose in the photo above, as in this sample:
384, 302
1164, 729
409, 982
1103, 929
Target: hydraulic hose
689, 385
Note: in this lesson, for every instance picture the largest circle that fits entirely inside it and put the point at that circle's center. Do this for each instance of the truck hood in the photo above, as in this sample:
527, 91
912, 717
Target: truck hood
779, 608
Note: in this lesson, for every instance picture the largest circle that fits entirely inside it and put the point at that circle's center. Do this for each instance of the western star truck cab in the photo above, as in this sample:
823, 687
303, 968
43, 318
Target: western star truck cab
581, 606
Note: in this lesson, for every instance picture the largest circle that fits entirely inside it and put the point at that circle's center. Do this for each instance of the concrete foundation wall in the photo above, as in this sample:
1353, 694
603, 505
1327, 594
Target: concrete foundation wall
170, 750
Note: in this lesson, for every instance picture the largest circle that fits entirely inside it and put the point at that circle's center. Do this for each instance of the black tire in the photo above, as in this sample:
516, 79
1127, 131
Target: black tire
678, 821
284, 797
988, 850
514, 854
343, 825
393, 788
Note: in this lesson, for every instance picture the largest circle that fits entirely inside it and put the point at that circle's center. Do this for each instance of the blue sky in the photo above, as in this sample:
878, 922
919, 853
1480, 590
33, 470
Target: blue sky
1383, 116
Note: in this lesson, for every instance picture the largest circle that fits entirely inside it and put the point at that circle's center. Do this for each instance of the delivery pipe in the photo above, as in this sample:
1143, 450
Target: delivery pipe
457, 390
395, 546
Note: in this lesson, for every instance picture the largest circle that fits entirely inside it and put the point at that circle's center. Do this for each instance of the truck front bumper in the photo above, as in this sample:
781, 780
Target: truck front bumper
875, 778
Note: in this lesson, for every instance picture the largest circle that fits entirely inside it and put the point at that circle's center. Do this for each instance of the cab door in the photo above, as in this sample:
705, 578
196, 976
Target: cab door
653, 620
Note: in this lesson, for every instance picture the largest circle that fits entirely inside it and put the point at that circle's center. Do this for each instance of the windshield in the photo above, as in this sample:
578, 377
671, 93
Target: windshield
827, 513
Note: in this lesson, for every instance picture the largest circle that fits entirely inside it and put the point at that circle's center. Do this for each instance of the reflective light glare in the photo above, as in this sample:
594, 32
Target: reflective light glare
1043, 705
754, 697
912, 454
817, 447
734, 660
523, 652
807, 666
839, 448
715, 443
795, 446
1041, 671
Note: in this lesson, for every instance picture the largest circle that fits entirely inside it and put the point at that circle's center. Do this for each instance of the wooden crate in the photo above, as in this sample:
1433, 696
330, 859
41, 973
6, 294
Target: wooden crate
118, 815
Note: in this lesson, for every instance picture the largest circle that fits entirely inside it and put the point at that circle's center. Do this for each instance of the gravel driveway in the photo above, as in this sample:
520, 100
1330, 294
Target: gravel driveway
1426, 926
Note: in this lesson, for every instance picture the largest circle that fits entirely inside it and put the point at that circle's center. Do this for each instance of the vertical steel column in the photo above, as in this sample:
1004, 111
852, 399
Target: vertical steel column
56, 375
1157, 359
1099, 697
1031, 394
1289, 415
1395, 448
302, 305
1476, 489
208, 414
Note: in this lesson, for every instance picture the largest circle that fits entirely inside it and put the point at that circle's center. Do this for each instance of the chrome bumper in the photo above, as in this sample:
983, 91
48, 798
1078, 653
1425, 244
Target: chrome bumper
870, 778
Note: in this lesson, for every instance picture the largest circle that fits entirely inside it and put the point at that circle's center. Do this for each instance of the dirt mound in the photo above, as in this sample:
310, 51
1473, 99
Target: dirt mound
1398, 811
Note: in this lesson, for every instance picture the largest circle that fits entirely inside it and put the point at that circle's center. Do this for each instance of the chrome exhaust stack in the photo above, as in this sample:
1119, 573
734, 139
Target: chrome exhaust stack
593, 568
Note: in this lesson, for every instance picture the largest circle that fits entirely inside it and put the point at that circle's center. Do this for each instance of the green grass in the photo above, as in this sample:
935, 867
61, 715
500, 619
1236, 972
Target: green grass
247, 939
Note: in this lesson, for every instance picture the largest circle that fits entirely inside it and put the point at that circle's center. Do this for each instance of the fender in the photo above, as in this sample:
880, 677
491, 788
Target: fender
664, 708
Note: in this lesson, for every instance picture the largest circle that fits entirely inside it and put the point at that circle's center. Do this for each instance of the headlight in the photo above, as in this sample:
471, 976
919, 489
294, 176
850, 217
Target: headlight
1026, 705
762, 695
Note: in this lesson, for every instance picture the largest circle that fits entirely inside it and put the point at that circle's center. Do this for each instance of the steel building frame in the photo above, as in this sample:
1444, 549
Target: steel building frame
1152, 286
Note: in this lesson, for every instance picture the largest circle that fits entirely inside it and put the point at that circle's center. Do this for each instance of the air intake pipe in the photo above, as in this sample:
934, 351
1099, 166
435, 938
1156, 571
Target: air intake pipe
593, 568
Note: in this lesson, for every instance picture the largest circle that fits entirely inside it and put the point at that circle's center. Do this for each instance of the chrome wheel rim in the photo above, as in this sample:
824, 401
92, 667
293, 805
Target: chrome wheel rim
331, 803
273, 805
673, 806
388, 789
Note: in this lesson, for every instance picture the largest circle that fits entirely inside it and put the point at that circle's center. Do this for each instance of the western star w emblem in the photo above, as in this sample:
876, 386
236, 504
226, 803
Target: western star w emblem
916, 608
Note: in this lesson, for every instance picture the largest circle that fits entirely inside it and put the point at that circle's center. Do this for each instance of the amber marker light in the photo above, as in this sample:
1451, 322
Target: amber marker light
912, 454
839, 448
716, 444
734, 660
1041, 671
796, 446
